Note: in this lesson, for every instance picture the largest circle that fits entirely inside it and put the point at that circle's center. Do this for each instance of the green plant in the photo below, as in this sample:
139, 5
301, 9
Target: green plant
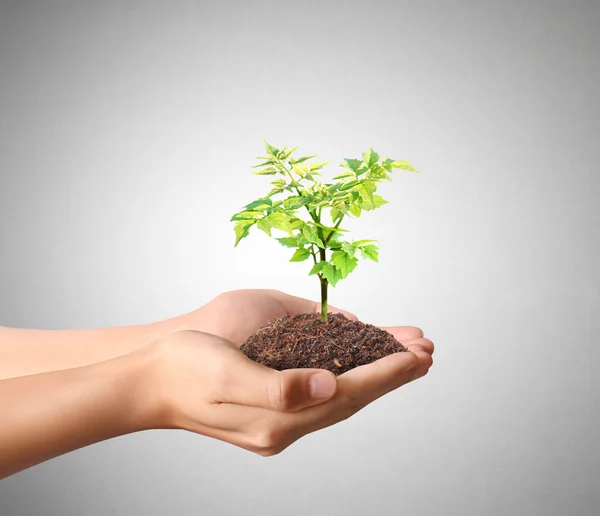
333, 257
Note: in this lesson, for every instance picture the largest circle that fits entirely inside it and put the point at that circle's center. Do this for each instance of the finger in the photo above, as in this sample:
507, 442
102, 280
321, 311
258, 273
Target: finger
361, 386
403, 333
298, 305
246, 382
425, 362
422, 343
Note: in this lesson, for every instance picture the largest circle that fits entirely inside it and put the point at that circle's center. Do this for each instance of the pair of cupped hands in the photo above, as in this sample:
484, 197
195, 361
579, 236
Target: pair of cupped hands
209, 387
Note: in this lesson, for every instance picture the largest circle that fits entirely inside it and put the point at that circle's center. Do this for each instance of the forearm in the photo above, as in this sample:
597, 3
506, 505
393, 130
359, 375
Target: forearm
48, 414
26, 352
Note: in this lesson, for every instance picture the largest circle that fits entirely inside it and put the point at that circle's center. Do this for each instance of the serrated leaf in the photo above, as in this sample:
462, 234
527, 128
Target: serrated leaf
297, 223
355, 209
362, 243
259, 204
343, 262
330, 274
300, 169
378, 172
247, 215
300, 255
346, 185
375, 202
286, 153
404, 165
317, 268
288, 241
317, 166
269, 171
264, 224
370, 157
296, 202
265, 164
302, 159
371, 252
352, 164
349, 248
311, 236
273, 151
281, 221
345, 175
241, 229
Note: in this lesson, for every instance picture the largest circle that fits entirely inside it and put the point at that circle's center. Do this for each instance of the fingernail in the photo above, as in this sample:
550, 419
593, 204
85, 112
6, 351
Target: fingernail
322, 385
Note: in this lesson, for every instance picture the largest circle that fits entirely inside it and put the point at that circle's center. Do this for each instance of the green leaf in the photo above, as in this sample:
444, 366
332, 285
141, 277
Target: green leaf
247, 215
355, 209
371, 252
288, 241
259, 203
378, 172
264, 224
241, 230
300, 255
330, 274
317, 268
404, 165
273, 151
366, 189
301, 159
300, 169
296, 202
375, 202
352, 164
346, 185
311, 236
370, 157
362, 243
265, 164
349, 248
281, 221
318, 166
269, 171
286, 153
343, 262
345, 175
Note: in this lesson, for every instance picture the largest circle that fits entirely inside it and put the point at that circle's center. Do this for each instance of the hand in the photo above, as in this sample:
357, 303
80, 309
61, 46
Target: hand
205, 385
238, 314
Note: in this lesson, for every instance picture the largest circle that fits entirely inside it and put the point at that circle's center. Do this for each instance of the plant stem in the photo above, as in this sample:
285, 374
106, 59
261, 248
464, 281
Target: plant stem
337, 225
324, 284
316, 216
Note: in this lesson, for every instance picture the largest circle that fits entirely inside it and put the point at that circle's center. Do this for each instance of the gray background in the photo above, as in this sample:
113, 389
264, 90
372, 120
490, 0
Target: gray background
127, 131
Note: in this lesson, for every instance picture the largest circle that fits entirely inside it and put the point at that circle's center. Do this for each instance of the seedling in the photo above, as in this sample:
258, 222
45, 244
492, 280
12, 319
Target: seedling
320, 237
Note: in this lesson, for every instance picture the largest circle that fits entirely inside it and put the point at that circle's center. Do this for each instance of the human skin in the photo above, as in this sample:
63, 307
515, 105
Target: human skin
63, 390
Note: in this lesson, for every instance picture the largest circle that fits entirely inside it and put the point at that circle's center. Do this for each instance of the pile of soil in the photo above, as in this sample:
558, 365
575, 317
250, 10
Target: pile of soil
338, 345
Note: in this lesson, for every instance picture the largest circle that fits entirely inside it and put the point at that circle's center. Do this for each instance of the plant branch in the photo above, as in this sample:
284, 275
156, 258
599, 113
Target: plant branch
337, 225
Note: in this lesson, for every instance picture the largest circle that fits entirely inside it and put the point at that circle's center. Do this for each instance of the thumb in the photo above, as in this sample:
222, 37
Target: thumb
289, 390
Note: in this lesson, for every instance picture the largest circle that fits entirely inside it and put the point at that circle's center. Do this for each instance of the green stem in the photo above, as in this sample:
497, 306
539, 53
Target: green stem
324, 284
312, 252
337, 225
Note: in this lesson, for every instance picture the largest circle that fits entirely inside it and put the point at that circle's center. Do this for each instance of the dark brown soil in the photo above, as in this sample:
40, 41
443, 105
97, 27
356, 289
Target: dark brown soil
339, 344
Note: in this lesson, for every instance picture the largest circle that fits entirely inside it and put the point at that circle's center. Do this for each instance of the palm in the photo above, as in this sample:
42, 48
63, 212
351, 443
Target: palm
237, 315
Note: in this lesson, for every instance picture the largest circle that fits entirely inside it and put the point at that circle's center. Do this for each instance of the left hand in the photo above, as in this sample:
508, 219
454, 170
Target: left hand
236, 315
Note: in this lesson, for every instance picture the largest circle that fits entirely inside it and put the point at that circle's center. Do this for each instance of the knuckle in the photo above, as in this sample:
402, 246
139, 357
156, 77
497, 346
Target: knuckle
351, 404
278, 395
267, 442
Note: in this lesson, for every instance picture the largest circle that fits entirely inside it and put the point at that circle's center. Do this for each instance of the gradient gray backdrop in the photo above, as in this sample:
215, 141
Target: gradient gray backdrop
127, 130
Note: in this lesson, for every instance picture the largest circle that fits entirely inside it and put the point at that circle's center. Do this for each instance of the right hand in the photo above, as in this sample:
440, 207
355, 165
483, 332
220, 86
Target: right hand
204, 384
